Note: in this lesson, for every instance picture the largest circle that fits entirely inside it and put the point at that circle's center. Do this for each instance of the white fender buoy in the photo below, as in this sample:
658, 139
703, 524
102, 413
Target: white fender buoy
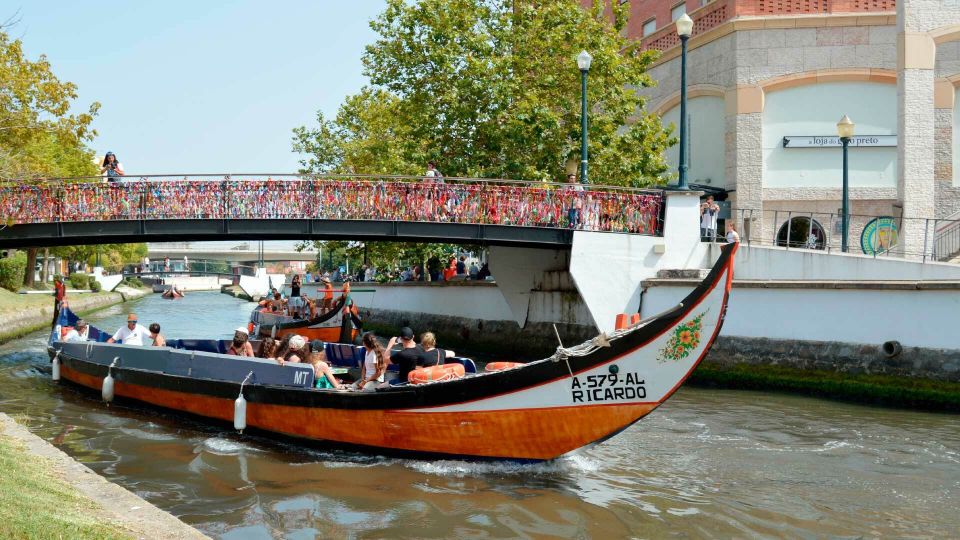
273, 331
240, 414
240, 407
107, 389
55, 370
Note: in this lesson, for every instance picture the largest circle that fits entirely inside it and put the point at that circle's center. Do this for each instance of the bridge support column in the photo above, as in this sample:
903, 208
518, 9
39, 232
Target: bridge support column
608, 268
518, 271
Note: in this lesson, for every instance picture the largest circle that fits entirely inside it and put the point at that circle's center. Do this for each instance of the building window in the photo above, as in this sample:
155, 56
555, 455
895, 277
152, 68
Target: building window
678, 10
705, 2
802, 232
649, 27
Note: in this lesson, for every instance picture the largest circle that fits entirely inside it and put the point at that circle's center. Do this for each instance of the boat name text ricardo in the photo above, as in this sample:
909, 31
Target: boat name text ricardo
607, 387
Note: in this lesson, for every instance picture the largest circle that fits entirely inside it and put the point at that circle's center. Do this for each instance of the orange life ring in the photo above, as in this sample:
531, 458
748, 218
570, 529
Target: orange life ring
250, 328
500, 366
445, 372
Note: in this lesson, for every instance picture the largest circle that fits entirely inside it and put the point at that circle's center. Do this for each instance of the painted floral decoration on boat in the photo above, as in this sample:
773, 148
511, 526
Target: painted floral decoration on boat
686, 337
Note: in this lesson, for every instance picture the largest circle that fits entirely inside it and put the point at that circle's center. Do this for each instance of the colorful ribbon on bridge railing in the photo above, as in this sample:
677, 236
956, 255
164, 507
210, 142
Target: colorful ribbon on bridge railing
473, 203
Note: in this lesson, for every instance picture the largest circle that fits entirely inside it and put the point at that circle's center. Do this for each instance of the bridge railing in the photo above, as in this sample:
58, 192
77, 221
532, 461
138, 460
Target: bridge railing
390, 198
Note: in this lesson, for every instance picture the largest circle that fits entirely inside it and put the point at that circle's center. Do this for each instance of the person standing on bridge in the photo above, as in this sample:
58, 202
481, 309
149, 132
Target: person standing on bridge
432, 174
111, 167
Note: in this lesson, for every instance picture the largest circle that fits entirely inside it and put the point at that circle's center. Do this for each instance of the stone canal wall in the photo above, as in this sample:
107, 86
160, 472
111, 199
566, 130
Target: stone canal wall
839, 326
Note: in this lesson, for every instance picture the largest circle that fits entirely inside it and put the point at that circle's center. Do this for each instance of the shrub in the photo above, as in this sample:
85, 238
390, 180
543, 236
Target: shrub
12, 270
95, 285
133, 282
79, 281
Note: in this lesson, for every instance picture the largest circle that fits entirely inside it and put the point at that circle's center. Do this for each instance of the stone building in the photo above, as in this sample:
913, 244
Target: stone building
769, 79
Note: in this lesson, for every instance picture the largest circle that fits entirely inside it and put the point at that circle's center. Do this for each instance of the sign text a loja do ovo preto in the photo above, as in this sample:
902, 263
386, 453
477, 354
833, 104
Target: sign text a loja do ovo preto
826, 141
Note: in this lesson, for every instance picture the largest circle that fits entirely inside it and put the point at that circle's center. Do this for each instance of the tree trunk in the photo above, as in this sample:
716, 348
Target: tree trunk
28, 275
45, 271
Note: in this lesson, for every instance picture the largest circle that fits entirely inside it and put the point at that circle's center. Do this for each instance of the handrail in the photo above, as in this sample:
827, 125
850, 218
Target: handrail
344, 197
322, 176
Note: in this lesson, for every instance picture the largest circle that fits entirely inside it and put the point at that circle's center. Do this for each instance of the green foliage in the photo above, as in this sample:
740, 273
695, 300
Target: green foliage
490, 88
133, 282
383, 255
11, 271
95, 285
80, 281
38, 135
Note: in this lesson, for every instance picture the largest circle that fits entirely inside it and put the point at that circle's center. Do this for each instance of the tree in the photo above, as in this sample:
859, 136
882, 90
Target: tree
38, 135
383, 255
489, 88
39, 138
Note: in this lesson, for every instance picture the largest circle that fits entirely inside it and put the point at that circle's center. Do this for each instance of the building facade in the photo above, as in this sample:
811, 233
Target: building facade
768, 80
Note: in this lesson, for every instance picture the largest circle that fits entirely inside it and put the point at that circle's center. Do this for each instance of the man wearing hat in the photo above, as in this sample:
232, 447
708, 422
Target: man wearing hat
407, 357
131, 334
79, 332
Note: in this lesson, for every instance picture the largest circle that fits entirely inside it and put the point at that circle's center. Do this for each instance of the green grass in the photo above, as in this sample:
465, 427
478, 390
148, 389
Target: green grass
11, 301
889, 390
35, 503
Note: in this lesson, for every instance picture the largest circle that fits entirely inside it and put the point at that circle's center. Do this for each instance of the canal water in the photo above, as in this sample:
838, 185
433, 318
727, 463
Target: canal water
709, 463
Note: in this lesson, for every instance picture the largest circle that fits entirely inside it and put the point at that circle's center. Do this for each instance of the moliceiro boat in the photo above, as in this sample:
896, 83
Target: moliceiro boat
334, 324
530, 412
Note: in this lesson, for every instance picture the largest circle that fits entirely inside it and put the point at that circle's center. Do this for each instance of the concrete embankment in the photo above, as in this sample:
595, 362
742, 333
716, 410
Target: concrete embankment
115, 511
236, 292
17, 321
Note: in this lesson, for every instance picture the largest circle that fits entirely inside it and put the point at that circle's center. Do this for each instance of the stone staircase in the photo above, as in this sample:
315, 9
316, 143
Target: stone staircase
946, 240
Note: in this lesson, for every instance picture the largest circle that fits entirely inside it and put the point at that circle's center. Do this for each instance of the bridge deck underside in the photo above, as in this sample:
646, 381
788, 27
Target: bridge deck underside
107, 232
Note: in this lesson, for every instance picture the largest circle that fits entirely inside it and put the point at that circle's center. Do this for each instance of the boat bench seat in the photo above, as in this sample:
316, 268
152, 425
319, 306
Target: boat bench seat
343, 355
204, 345
469, 365
192, 363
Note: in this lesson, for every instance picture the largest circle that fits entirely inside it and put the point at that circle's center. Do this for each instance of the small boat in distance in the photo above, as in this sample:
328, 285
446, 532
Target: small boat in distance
535, 411
172, 293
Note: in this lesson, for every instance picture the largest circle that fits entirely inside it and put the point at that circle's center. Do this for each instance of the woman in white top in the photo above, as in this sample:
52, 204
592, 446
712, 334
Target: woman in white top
374, 364
732, 235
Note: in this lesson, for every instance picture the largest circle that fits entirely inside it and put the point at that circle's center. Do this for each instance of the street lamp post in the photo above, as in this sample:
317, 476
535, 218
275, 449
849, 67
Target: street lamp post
583, 62
845, 130
684, 29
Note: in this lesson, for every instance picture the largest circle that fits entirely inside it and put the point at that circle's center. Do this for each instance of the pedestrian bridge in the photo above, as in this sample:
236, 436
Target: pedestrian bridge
299, 207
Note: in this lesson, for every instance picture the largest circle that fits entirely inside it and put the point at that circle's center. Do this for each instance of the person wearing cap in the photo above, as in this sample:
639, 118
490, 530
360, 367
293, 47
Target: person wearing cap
79, 332
131, 334
240, 346
112, 167
407, 357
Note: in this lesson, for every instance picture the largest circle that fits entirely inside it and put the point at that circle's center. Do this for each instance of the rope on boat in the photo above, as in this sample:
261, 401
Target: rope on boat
605, 340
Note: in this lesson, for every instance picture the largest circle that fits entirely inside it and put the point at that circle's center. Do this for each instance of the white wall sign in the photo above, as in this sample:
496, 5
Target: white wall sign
833, 140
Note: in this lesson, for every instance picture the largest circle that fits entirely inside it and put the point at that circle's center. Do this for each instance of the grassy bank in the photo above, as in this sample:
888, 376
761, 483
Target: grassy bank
887, 390
34, 503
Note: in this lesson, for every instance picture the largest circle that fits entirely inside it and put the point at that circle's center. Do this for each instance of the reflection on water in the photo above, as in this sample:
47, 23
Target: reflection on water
710, 463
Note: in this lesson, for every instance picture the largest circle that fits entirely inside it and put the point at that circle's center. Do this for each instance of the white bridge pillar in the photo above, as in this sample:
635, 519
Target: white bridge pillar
608, 268
517, 272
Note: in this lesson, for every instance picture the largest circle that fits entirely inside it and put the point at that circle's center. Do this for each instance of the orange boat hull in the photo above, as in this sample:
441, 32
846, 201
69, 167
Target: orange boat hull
512, 434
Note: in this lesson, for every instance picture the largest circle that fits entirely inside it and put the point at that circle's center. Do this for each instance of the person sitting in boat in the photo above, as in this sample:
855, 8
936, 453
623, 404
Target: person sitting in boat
131, 334
431, 355
296, 351
79, 332
158, 340
407, 357
240, 346
268, 348
323, 373
374, 364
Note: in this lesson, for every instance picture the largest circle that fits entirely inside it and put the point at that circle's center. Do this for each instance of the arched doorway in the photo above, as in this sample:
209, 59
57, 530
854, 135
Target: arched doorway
804, 232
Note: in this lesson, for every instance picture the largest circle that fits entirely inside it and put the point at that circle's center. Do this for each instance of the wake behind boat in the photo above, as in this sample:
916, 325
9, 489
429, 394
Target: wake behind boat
535, 411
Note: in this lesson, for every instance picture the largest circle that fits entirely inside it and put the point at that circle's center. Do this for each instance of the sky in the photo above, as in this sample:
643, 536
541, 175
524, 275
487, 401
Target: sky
201, 87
